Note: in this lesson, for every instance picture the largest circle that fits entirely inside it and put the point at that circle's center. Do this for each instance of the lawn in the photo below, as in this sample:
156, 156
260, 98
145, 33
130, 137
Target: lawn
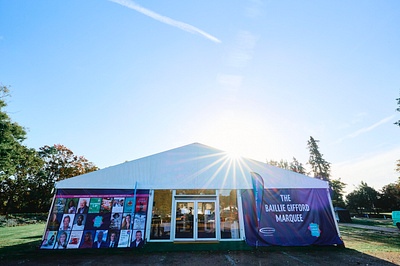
19, 245
374, 222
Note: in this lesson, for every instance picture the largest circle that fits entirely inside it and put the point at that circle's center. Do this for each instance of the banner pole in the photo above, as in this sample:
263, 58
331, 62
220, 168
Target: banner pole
133, 209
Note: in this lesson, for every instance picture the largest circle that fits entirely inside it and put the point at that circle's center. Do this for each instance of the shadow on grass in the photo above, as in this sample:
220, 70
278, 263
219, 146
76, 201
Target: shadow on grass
240, 251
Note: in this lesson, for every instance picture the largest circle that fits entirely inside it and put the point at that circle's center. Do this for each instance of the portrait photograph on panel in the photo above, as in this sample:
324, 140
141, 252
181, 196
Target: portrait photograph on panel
100, 240
62, 240
71, 205
83, 205
79, 222
54, 221
87, 239
126, 221
67, 222
113, 238
137, 239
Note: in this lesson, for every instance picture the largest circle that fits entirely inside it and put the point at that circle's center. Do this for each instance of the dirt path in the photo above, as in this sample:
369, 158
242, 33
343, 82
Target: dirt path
376, 228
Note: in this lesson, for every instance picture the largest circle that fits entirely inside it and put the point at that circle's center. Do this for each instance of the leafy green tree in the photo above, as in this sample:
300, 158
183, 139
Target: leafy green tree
337, 187
389, 199
320, 168
294, 166
11, 137
362, 198
297, 167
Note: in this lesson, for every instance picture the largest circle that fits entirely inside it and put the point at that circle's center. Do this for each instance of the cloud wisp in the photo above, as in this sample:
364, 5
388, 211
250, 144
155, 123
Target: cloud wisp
366, 129
166, 20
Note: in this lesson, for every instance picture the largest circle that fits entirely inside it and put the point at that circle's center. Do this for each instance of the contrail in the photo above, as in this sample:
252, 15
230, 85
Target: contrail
166, 20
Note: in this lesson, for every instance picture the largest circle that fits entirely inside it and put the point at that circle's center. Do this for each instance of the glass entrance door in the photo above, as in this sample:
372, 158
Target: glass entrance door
184, 219
195, 220
206, 220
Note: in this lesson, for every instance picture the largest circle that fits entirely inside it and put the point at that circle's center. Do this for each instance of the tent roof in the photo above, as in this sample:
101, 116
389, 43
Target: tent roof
194, 166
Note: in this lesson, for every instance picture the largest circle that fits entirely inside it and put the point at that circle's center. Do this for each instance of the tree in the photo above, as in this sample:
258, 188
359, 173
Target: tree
337, 187
294, 166
11, 137
297, 167
320, 168
389, 199
362, 198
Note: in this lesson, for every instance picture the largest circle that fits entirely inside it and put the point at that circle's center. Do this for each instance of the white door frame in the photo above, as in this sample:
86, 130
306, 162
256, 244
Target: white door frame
195, 219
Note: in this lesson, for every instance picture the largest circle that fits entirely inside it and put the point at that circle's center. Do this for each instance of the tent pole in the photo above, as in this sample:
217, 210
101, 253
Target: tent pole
48, 216
333, 212
133, 209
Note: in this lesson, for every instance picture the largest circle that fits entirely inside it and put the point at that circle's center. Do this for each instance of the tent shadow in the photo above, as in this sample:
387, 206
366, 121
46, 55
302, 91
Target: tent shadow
239, 252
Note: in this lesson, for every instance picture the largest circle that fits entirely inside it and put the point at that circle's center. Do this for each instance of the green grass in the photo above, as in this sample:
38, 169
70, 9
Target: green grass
21, 243
365, 240
374, 222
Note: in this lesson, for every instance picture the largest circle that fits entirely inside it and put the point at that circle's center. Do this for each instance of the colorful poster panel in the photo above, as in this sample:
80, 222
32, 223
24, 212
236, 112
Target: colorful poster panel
129, 202
79, 222
139, 222
116, 219
54, 221
95, 204
118, 205
87, 239
59, 205
71, 205
49, 240
126, 221
124, 238
113, 237
75, 239
62, 240
141, 205
83, 205
106, 205
100, 239
98, 221
137, 239
67, 222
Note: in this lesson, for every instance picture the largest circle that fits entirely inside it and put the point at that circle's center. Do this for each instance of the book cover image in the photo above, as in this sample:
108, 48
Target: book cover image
116, 219
49, 240
124, 238
95, 204
75, 239
118, 205
106, 205
139, 222
129, 204
141, 205
59, 205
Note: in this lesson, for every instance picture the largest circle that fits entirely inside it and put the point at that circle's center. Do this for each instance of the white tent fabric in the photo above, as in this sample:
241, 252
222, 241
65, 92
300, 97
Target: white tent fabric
194, 166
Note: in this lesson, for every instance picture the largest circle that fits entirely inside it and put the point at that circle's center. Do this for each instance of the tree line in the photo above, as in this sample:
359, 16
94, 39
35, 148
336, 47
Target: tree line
362, 199
28, 176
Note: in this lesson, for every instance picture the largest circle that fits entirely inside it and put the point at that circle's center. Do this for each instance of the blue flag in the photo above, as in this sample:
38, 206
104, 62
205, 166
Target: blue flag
258, 190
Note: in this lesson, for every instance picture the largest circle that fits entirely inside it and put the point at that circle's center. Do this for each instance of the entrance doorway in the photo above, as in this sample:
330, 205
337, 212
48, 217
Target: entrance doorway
195, 220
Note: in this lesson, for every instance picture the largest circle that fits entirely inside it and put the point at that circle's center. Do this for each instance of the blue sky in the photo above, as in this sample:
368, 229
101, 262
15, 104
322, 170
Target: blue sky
118, 80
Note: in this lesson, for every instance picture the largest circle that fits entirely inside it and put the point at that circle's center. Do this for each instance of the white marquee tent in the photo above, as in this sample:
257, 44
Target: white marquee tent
194, 166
